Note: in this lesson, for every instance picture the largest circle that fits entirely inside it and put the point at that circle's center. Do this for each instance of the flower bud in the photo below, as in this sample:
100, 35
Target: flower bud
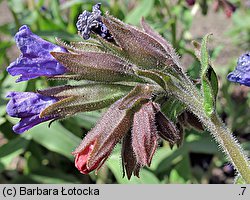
129, 162
166, 129
189, 119
100, 141
144, 134
91, 22
139, 47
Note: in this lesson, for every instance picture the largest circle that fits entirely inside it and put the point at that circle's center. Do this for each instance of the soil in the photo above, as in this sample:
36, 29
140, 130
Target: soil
218, 24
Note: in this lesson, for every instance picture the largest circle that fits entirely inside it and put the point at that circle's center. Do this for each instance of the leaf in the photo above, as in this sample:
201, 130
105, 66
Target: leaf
175, 177
205, 60
9, 85
70, 3
16, 9
172, 108
203, 145
12, 149
56, 138
57, 16
47, 176
142, 10
87, 119
2, 120
160, 155
212, 77
208, 102
171, 159
146, 177
209, 79
165, 158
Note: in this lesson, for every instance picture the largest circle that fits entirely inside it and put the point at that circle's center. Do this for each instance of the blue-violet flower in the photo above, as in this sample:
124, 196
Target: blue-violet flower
242, 72
35, 59
92, 22
28, 106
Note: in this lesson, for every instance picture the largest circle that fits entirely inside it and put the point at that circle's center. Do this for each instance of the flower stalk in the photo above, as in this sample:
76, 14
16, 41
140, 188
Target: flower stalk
222, 135
230, 146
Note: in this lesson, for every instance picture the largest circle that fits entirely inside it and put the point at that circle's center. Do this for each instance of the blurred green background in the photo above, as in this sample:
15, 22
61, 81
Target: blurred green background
43, 155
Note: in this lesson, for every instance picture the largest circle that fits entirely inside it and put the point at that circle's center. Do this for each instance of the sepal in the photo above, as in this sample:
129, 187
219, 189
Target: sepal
94, 66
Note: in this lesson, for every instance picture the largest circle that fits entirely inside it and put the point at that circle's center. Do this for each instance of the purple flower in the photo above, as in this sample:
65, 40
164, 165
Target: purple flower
91, 22
242, 72
28, 106
35, 59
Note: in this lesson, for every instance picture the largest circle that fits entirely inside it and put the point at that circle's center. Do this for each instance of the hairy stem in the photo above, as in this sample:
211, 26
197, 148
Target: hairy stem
229, 144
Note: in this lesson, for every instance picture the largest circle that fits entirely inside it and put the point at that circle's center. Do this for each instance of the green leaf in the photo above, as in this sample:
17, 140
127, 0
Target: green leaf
70, 3
172, 108
165, 158
87, 119
142, 10
2, 120
175, 177
57, 15
203, 145
209, 79
204, 55
56, 138
12, 149
114, 164
47, 176
208, 102
9, 85
170, 160
161, 154
212, 77
13, 5
184, 169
